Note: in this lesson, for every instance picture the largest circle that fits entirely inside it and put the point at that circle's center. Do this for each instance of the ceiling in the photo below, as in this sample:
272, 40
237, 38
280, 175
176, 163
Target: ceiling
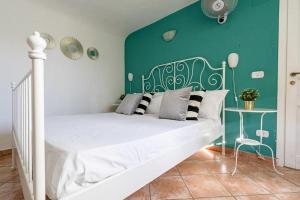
125, 16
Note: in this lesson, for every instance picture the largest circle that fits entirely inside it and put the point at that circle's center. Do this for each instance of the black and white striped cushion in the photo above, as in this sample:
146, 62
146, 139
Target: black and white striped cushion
194, 104
142, 107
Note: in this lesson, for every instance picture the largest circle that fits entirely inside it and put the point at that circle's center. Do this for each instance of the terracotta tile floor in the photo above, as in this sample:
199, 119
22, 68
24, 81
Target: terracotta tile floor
203, 176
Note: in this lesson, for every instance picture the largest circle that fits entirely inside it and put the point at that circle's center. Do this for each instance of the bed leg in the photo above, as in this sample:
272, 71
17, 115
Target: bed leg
223, 141
223, 149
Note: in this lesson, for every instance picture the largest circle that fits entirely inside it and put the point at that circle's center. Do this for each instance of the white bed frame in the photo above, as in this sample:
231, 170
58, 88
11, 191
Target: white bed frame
28, 128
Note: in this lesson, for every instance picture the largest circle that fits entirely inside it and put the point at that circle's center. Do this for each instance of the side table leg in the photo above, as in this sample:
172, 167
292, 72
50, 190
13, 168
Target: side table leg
234, 150
273, 159
236, 159
261, 137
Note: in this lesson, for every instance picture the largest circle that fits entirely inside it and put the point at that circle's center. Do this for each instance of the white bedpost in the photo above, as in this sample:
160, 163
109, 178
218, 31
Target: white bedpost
38, 56
223, 120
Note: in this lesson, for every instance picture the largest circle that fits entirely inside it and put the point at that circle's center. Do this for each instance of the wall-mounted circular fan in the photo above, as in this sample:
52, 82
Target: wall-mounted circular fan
218, 9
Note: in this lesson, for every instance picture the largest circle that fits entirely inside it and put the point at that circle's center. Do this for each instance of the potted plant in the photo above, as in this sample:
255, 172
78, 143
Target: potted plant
249, 96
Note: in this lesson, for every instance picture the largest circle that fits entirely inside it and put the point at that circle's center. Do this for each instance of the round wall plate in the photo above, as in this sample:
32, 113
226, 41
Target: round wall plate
49, 40
92, 53
71, 48
169, 35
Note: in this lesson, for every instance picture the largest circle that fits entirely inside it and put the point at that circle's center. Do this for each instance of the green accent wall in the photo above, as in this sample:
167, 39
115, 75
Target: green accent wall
251, 31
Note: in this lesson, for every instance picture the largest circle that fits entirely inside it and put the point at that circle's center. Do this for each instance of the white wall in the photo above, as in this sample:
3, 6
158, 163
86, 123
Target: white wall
82, 86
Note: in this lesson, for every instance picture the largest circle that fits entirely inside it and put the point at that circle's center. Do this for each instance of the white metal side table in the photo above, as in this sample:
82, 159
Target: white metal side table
251, 142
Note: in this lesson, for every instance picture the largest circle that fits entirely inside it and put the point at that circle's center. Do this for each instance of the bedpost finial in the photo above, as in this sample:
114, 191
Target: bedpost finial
37, 45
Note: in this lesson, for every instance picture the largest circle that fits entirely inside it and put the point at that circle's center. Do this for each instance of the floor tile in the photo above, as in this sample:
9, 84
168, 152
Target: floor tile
217, 198
292, 176
228, 151
289, 196
250, 167
5, 161
171, 172
8, 174
273, 182
265, 165
257, 197
221, 166
192, 167
207, 175
262, 165
205, 186
286, 169
240, 184
142, 194
171, 187
11, 191
5, 153
178, 199
205, 155
242, 156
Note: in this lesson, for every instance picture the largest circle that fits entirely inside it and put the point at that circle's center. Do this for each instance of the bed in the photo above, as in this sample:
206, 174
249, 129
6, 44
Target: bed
77, 157
88, 156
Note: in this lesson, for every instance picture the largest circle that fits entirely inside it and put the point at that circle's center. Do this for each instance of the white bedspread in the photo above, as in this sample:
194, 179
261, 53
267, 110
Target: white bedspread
85, 149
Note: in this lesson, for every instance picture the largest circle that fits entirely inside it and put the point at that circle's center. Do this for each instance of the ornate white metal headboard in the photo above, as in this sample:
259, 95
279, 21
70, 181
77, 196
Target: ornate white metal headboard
195, 72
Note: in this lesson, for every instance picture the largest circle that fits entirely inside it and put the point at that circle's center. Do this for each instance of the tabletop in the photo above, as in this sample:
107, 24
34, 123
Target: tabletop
255, 110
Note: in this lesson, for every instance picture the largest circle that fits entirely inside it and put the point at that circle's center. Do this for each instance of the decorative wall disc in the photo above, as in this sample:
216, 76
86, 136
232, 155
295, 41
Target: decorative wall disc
92, 53
169, 35
71, 48
49, 40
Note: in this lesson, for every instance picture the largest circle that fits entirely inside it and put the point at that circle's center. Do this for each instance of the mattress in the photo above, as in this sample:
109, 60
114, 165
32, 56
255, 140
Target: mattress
85, 149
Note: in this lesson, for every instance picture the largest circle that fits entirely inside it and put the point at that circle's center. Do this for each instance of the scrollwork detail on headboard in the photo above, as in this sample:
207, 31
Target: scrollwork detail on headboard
195, 72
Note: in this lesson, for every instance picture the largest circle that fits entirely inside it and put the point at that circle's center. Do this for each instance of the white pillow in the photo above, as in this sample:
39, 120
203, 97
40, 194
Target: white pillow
154, 106
211, 105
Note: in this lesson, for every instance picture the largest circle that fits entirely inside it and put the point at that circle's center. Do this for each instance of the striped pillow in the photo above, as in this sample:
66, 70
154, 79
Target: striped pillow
142, 107
194, 104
